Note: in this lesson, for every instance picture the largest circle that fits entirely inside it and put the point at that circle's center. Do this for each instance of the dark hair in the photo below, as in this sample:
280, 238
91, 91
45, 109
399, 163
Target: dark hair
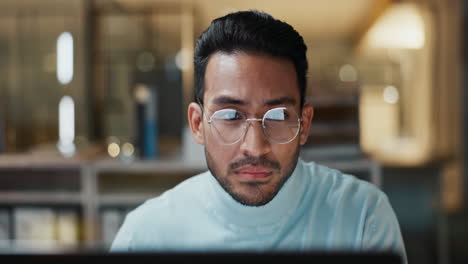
250, 31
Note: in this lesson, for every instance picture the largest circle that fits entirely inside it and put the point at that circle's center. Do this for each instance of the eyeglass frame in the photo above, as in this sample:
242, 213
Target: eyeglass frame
299, 120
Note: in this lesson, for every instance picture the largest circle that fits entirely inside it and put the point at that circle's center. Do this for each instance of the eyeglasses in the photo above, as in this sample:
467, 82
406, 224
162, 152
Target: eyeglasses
280, 125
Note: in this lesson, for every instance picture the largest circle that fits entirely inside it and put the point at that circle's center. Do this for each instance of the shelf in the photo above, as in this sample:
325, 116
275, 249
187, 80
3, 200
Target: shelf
22, 161
356, 165
37, 246
124, 199
346, 152
38, 161
55, 198
321, 128
150, 166
111, 185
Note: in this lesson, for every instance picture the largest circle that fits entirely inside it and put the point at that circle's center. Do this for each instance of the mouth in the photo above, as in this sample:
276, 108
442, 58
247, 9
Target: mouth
249, 173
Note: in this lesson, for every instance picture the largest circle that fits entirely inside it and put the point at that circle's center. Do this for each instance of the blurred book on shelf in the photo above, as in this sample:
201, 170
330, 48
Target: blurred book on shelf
67, 227
111, 220
5, 226
2, 134
335, 121
333, 91
34, 228
39, 229
147, 122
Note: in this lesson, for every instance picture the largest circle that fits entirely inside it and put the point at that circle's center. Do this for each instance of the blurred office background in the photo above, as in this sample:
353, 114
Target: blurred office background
93, 97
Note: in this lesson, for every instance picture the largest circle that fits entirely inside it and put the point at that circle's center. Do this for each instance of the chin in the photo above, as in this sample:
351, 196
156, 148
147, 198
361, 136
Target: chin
253, 194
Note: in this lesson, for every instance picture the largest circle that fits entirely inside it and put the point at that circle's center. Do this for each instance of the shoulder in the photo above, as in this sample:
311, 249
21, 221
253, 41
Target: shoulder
335, 186
183, 194
154, 222
358, 202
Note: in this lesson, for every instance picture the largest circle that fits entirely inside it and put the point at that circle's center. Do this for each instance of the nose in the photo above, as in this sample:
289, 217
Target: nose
255, 143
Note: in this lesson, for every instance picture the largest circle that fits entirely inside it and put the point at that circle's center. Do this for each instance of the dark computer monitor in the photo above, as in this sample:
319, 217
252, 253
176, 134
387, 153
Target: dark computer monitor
205, 258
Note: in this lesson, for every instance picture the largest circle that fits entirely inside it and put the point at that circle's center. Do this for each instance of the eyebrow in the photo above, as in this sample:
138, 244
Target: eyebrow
225, 100
282, 100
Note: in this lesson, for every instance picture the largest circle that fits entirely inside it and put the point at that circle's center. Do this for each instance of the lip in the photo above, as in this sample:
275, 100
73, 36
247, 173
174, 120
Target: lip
253, 172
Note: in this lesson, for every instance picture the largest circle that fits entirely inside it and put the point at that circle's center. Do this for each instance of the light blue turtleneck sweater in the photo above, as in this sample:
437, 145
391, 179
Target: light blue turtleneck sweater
316, 209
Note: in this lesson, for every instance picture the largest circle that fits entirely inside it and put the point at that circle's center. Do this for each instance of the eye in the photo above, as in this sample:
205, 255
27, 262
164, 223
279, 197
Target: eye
228, 115
278, 114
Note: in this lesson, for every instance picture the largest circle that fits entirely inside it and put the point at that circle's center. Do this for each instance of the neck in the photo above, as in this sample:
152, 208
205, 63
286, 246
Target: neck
280, 207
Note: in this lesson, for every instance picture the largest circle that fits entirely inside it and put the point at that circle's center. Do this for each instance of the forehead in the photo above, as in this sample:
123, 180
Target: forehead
251, 78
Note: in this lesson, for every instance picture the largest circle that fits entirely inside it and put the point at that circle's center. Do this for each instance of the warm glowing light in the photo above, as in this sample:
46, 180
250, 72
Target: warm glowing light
401, 26
348, 73
66, 126
391, 95
142, 93
183, 59
65, 58
113, 149
128, 149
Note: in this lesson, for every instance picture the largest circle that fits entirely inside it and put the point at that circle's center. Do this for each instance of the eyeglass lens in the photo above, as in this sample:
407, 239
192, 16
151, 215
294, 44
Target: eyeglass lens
280, 125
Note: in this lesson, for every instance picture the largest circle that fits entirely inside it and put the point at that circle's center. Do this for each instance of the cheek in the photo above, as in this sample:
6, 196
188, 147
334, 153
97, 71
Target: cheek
222, 155
284, 154
282, 151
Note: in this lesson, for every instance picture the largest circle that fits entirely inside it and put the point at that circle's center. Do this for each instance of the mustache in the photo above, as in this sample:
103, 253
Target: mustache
254, 161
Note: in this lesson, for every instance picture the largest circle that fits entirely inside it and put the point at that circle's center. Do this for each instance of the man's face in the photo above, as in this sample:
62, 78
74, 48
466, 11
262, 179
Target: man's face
254, 169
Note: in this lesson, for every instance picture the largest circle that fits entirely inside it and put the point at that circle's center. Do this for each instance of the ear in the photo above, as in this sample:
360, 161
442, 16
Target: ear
195, 119
307, 115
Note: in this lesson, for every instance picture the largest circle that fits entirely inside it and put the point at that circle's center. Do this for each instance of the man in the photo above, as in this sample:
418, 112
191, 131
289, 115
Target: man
250, 72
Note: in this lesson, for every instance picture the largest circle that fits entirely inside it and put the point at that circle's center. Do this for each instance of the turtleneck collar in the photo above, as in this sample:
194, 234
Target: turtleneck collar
265, 217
